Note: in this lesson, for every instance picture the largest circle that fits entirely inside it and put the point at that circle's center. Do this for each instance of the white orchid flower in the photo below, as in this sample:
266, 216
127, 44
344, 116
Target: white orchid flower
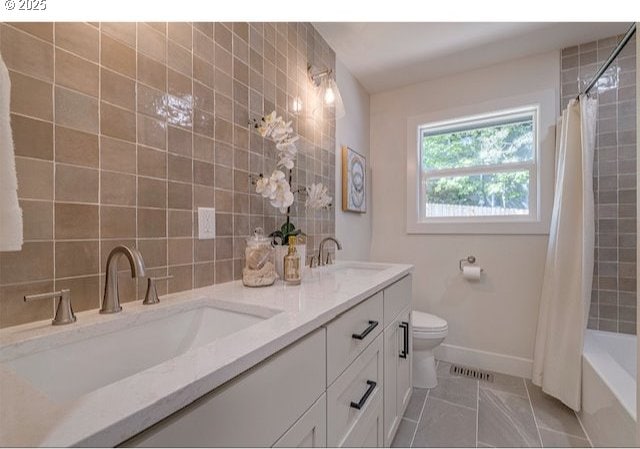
286, 142
287, 152
262, 186
278, 134
286, 162
268, 124
276, 187
277, 175
283, 199
281, 196
317, 197
281, 130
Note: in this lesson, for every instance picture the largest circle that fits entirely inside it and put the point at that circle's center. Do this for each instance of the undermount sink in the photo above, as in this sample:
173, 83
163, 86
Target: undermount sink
359, 268
69, 371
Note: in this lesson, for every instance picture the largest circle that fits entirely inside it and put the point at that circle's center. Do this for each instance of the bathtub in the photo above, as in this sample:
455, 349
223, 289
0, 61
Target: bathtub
609, 388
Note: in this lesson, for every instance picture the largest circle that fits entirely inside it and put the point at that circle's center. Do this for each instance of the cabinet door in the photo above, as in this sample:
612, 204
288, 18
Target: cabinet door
310, 430
354, 400
405, 365
398, 353
254, 409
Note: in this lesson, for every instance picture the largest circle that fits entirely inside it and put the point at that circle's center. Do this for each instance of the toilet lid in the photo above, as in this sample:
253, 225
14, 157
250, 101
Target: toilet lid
426, 322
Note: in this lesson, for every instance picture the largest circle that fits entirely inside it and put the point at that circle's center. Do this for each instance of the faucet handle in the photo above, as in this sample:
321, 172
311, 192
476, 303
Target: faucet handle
151, 297
64, 313
313, 262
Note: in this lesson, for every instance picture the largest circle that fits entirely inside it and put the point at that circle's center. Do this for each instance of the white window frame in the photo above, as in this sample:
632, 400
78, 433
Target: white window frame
541, 169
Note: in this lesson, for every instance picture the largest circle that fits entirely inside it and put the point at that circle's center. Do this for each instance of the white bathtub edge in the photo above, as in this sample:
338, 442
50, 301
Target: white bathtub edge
611, 373
607, 413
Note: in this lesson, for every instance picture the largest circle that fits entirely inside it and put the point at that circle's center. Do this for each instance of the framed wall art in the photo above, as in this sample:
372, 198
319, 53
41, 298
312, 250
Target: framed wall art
354, 181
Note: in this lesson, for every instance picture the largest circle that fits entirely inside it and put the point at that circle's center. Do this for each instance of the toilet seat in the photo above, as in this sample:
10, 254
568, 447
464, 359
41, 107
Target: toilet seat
431, 334
426, 325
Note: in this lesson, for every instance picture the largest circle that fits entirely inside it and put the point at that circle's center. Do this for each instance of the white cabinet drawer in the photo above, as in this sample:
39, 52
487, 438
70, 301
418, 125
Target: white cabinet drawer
310, 430
254, 409
343, 344
369, 431
361, 385
396, 298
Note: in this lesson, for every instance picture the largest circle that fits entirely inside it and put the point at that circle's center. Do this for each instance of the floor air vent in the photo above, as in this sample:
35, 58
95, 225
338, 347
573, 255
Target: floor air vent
474, 373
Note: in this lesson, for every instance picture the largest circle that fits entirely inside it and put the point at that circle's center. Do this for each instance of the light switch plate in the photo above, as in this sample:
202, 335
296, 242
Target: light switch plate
206, 223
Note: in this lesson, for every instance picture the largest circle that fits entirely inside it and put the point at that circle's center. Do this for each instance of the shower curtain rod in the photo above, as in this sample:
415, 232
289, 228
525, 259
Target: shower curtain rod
630, 32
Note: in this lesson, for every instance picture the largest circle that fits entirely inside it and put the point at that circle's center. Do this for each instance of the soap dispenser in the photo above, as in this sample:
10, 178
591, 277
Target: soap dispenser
292, 273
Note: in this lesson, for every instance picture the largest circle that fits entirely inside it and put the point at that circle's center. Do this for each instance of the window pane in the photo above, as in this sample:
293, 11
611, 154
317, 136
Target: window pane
504, 193
505, 142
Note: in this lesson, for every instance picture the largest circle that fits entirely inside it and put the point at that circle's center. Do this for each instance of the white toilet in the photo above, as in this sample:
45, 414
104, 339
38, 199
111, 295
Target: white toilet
428, 332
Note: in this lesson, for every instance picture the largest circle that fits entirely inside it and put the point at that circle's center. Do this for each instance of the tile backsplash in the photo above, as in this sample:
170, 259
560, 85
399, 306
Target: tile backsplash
613, 298
122, 130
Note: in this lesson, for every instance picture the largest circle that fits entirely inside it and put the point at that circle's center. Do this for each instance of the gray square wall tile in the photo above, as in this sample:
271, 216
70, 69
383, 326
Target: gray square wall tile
111, 135
627, 328
615, 154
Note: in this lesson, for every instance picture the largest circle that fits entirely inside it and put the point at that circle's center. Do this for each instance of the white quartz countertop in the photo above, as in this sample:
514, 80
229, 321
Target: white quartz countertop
110, 415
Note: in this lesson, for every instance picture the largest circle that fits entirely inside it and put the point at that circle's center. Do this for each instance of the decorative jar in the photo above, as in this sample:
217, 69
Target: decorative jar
259, 266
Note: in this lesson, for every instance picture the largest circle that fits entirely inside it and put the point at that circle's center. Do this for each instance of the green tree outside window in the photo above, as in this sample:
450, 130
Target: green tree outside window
491, 145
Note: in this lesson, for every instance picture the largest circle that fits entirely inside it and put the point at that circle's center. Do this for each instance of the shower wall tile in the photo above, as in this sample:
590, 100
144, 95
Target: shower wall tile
123, 130
31, 96
42, 30
26, 54
613, 298
78, 38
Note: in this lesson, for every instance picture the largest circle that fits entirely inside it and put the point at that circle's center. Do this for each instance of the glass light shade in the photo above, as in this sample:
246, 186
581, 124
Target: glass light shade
331, 96
296, 105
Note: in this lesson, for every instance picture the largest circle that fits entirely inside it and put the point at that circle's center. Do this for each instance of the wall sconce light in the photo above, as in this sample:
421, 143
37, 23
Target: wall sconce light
296, 105
329, 91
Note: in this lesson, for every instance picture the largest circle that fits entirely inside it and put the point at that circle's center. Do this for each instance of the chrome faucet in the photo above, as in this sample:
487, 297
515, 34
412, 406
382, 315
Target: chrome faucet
327, 261
111, 300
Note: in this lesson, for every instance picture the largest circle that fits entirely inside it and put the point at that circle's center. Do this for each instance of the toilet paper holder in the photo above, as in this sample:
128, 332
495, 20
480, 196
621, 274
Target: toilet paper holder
469, 260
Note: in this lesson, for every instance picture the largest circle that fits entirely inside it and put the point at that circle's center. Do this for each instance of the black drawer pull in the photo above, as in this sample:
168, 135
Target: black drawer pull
372, 326
405, 349
358, 405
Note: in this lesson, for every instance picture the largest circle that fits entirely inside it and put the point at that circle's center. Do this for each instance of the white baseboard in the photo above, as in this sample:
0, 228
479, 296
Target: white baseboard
474, 358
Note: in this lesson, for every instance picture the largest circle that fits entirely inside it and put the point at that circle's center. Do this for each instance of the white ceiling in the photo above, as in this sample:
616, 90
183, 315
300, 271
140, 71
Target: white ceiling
385, 56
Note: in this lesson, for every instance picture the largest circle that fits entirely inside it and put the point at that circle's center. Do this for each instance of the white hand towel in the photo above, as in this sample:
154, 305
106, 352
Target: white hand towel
10, 212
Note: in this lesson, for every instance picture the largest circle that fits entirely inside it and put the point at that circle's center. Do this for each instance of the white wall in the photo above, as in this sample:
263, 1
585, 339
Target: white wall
352, 229
498, 314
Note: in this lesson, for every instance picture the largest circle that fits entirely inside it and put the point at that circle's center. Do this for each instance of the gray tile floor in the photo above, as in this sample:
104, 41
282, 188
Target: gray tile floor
509, 412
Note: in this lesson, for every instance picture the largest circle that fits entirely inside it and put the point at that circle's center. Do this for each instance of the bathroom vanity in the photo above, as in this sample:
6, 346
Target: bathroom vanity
327, 363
